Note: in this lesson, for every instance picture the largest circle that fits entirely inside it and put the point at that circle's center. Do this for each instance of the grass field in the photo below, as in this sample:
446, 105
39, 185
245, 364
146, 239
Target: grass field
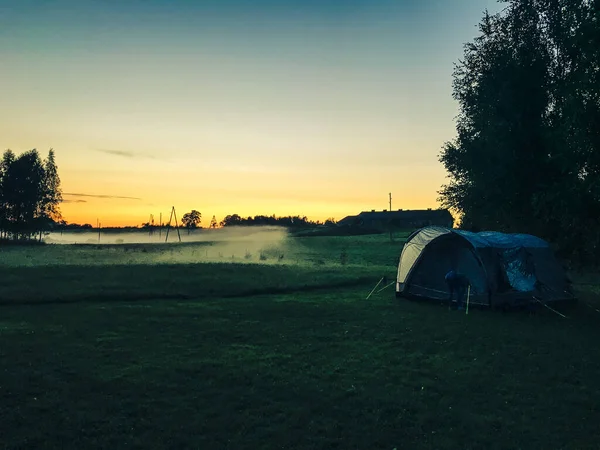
136, 346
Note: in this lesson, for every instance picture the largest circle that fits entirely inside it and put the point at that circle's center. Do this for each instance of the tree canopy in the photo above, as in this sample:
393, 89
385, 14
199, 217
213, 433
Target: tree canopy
286, 221
191, 219
527, 153
30, 194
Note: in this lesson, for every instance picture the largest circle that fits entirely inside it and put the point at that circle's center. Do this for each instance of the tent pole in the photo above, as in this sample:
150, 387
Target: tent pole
468, 297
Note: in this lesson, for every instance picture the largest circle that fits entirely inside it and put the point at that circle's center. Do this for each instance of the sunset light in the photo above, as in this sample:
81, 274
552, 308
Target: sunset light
316, 108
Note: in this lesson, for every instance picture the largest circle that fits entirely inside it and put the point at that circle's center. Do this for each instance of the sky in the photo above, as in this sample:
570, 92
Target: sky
310, 107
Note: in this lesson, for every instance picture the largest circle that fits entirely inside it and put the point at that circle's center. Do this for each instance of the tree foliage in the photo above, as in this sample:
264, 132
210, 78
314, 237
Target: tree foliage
231, 220
51, 190
527, 153
30, 194
191, 219
260, 220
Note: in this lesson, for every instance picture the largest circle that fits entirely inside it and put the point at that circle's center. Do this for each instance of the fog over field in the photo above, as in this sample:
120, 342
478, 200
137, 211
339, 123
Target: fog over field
228, 234
253, 245
266, 245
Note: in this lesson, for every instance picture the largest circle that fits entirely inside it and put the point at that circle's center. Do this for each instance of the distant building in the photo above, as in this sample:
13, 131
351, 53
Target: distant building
400, 219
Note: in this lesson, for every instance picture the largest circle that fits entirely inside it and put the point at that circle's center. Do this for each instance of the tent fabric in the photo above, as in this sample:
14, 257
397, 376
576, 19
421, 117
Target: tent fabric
414, 247
496, 239
502, 268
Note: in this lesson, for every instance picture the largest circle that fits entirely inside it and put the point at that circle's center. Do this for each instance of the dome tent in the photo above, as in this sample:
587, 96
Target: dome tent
504, 269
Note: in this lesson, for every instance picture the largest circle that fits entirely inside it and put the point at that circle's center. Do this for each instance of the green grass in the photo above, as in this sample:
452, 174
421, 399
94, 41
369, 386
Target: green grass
62, 284
282, 356
370, 250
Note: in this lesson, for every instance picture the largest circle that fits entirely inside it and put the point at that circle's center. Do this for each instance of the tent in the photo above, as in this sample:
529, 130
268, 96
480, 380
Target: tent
504, 269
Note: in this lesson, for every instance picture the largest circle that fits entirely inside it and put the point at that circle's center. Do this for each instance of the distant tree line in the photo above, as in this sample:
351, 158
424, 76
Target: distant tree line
63, 225
190, 220
285, 221
527, 153
30, 195
193, 219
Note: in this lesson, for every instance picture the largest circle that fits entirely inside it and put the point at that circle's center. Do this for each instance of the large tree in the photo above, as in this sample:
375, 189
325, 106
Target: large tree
7, 160
528, 133
191, 219
52, 197
231, 220
23, 192
29, 193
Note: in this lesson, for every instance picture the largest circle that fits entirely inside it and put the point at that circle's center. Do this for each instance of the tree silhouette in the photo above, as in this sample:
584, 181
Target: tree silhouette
191, 220
527, 153
213, 222
52, 194
24, 193
287, 221
231, 220
29, 194
5, 207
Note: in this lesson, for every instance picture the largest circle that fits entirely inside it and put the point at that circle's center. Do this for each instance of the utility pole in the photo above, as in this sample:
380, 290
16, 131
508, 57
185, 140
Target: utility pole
391, 237
160, 226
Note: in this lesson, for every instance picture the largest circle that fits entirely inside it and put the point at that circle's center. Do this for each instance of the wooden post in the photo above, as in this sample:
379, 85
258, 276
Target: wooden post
168, 225
176, 224
173, 214
391, 238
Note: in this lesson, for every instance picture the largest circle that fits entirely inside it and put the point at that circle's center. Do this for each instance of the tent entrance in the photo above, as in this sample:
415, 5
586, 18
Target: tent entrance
442, 255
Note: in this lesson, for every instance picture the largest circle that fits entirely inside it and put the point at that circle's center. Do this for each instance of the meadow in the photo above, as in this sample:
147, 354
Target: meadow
251, 341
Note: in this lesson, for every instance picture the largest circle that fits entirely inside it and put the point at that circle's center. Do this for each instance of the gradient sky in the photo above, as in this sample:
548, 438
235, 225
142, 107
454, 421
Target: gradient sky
312, 107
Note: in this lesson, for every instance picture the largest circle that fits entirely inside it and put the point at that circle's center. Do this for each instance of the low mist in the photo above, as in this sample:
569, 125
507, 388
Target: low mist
257, 244
263, 233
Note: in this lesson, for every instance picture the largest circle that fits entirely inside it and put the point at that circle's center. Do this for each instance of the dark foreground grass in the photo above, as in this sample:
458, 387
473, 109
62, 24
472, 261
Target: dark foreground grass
305, 370
65, 284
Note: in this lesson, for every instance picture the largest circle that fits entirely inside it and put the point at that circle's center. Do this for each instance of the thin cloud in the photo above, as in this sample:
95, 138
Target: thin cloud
124, 153
74, 201
100, 196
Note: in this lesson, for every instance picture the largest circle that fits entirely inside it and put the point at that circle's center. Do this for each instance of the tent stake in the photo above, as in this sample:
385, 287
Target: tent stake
374, 288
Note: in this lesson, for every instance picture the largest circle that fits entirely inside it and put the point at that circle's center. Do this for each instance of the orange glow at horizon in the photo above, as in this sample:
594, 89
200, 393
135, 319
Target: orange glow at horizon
318, 109
337, 197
